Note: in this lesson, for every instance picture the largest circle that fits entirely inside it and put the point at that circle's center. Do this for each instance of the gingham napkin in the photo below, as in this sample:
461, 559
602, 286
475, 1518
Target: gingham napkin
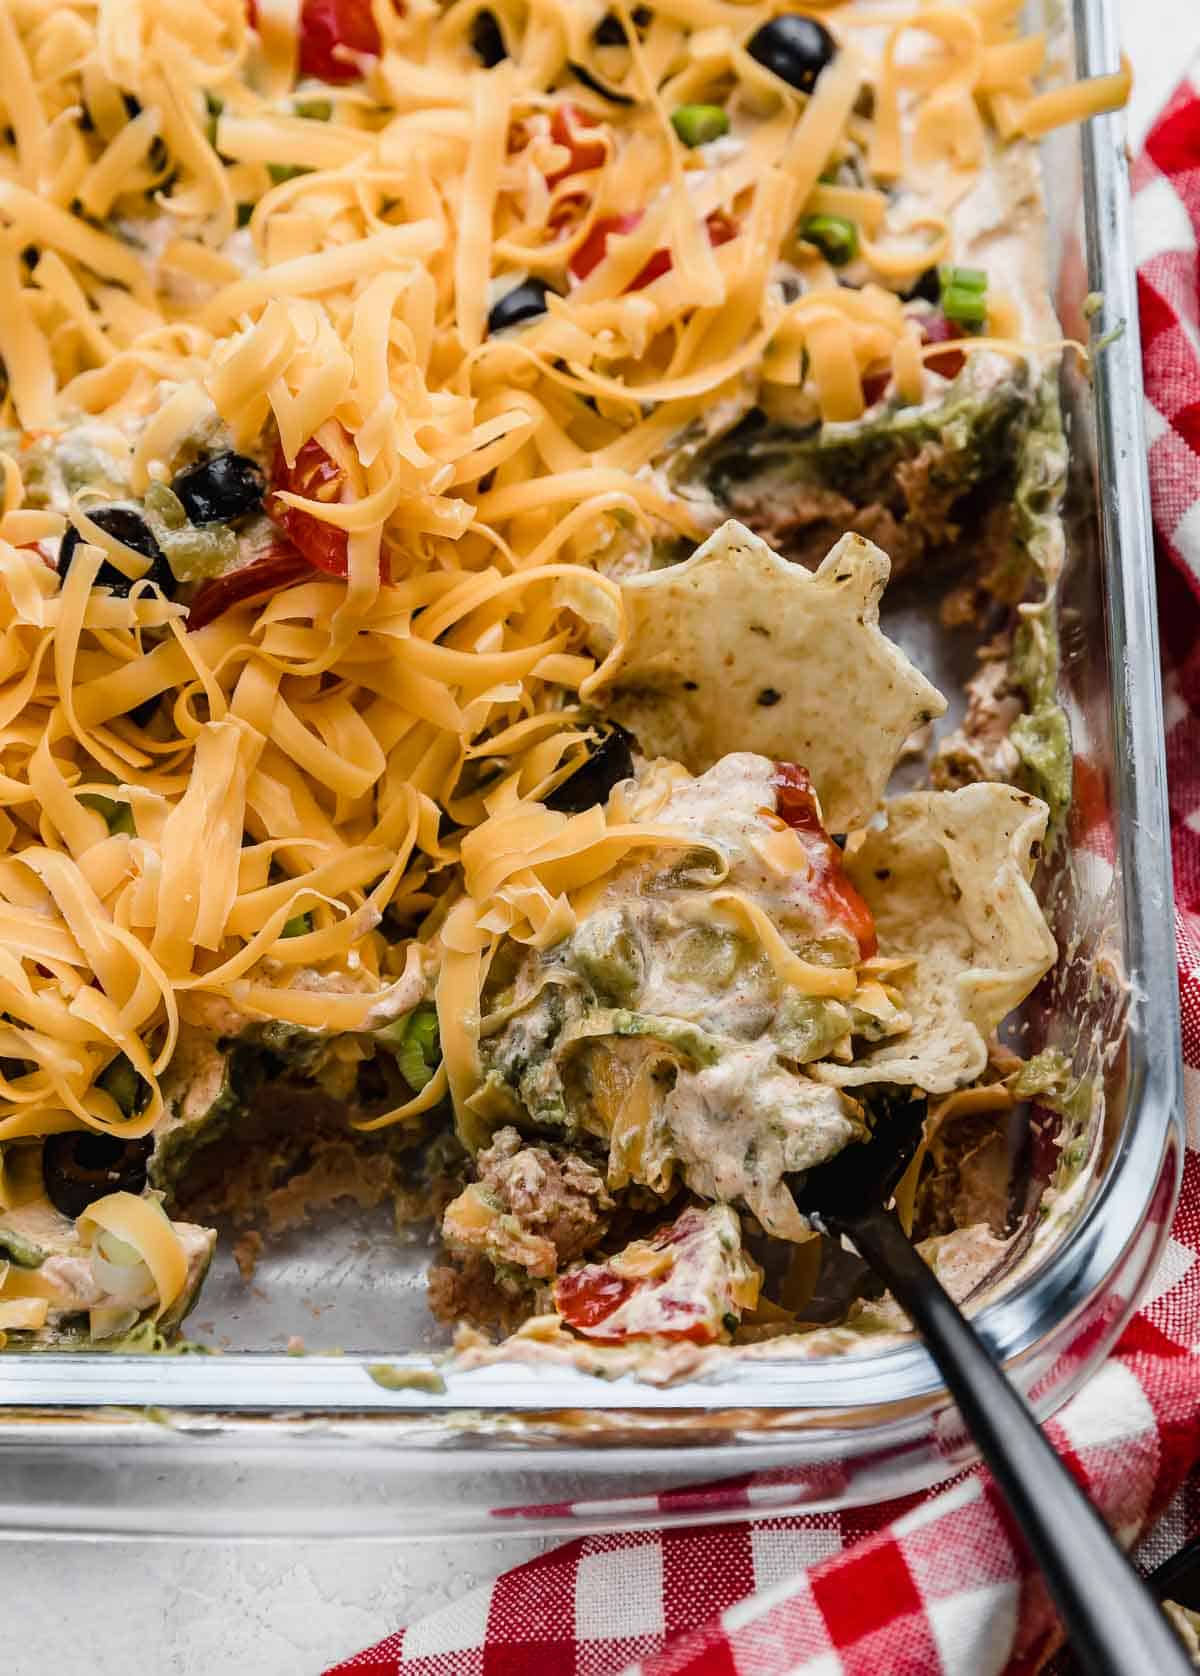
938, 1583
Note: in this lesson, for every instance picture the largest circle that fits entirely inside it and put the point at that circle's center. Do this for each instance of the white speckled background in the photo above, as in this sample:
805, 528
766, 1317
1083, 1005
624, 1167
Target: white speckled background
208, 1609
290, 1609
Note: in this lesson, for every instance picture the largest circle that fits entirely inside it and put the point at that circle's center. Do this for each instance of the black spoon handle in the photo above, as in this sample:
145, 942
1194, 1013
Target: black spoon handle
1116, 1628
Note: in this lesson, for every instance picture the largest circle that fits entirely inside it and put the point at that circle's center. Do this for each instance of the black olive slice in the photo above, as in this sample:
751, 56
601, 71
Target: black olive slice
131, 528
487, 40
927, 286
610, 761
583, 74
81, 1166
610, 31
794, 48
523, 302
141, 713
216, 490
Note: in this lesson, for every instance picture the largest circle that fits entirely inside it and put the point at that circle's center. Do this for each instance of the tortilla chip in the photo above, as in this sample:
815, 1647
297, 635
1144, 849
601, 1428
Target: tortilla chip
738, 650
947, 880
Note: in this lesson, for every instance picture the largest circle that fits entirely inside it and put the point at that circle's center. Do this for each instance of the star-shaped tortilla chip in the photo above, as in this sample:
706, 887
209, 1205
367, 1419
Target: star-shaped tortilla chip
738, 650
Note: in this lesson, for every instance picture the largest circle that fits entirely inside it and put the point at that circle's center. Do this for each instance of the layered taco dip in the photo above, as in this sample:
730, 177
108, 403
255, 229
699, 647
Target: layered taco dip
453, 459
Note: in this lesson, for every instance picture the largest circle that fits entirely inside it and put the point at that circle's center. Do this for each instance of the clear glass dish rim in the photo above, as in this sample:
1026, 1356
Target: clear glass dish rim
1033, 1323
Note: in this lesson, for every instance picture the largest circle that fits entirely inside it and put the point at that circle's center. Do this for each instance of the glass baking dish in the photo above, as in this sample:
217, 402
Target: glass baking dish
258, 1442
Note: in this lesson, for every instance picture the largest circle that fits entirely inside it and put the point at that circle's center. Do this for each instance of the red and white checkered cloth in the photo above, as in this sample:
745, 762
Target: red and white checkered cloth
937, 1583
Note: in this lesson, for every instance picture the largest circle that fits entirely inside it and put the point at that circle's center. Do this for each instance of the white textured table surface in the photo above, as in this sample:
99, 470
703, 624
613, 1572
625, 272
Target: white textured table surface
289, 1609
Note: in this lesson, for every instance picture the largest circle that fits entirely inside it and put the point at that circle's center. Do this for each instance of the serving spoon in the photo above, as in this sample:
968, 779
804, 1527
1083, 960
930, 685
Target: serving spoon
1114, 1624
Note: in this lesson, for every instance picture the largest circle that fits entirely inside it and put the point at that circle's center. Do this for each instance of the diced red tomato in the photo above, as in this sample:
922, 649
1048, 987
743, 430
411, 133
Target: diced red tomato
568, 128
589, 1296
326, 26
277, 569
796, 803
935, 328
316, 475
595, 247
708, 1280
586, 1299
875, 385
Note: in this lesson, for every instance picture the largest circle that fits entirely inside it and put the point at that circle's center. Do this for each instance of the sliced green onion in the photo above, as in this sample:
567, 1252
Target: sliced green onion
298, 926
698, 124
962, 279
316, 110
834, 236
965, 308
963, 295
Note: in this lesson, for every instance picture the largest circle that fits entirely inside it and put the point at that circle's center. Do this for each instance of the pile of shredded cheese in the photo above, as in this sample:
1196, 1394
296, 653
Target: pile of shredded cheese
328, 747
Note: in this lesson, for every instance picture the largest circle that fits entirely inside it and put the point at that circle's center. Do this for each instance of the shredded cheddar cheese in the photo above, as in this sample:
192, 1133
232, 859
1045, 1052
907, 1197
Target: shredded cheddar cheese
199, 238
140, 1223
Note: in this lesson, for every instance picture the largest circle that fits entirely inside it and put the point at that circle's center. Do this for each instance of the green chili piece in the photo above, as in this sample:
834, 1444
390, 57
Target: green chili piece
414, 1041
215, 105
279, 172
121, 1082
118, 816
316, 110
194, 554
834, 236
165, 504
698, 124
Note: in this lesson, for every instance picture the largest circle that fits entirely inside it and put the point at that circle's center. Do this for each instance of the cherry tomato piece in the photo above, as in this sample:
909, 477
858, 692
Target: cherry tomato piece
316, 475
595, 247
276, 570
568, 128
935, 328
875, 386
589, 1296
796, 803
326, 26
